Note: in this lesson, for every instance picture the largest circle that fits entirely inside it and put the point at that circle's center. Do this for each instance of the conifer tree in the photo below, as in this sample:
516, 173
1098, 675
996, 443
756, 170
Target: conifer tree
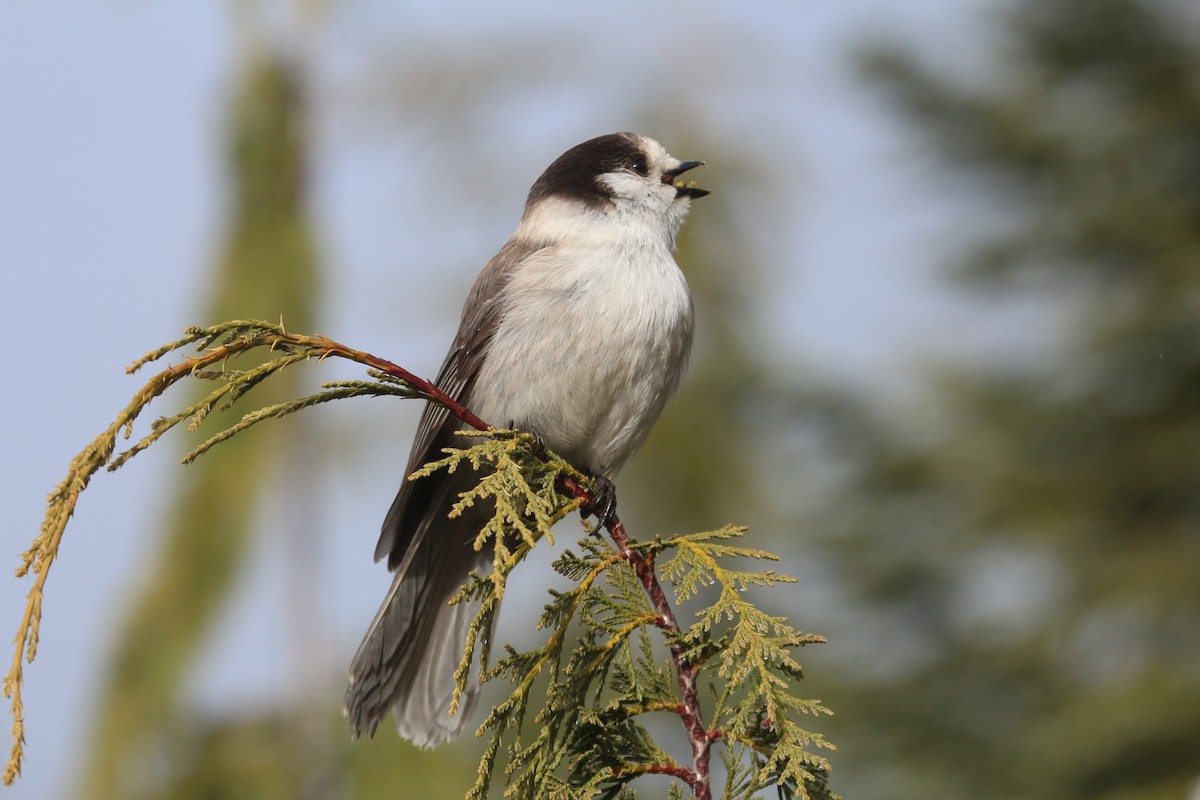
1071, 480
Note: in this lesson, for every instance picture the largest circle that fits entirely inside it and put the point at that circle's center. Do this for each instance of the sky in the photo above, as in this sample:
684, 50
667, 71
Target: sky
111, 196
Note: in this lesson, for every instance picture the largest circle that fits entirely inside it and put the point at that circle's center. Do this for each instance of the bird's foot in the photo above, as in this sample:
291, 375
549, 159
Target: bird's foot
604, 502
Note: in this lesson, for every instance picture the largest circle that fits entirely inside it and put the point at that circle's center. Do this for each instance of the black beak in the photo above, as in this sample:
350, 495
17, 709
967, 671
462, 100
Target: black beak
682, 190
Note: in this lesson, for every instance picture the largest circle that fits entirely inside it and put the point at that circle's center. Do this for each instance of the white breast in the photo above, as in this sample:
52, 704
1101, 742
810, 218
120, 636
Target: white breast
592, 343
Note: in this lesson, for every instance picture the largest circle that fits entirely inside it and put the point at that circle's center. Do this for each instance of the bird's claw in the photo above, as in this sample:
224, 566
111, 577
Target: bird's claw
539, 446
604, 502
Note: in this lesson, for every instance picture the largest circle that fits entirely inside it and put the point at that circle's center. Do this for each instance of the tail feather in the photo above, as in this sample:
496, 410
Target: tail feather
407, 659
423, 712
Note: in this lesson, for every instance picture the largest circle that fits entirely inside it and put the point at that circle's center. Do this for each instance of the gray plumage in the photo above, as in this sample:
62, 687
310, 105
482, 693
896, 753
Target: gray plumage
579, 328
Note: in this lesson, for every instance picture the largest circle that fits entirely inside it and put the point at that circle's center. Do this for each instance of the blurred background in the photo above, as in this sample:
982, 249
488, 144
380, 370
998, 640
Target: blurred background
948, 362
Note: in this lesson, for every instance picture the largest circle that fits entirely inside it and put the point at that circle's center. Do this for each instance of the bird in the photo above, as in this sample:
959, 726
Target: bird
579, 330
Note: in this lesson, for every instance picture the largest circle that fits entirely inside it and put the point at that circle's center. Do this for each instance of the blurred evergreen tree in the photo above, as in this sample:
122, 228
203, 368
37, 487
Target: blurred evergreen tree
269, 269
1036, 564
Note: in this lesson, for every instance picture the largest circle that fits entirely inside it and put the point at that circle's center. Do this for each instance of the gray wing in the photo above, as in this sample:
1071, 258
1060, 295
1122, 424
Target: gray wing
481, 315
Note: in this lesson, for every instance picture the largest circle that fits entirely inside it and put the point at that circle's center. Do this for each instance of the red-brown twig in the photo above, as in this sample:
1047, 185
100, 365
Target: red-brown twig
685, 671
426, 388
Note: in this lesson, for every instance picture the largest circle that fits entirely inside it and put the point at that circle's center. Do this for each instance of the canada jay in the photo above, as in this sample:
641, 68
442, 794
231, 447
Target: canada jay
578, 329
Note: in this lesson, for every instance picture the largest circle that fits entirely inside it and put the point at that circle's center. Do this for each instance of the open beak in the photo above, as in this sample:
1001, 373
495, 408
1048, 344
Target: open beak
682, 189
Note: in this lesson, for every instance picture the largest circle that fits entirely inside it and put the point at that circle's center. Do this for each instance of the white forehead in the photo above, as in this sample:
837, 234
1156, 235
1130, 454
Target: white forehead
655, 152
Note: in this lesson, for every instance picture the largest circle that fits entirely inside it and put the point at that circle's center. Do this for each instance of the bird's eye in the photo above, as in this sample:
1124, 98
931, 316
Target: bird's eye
639, 166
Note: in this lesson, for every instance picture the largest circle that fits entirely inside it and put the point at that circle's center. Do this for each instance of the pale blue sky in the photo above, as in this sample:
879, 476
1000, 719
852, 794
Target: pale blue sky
110, 202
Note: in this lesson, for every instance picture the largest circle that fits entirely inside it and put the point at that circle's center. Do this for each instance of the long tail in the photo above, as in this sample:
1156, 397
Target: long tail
407, 660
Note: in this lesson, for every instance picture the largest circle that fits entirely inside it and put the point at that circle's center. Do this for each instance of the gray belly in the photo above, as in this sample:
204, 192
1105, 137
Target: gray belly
591, 378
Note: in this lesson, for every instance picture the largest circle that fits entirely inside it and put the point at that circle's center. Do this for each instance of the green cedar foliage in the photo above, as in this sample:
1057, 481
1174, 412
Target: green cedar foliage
590, 686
